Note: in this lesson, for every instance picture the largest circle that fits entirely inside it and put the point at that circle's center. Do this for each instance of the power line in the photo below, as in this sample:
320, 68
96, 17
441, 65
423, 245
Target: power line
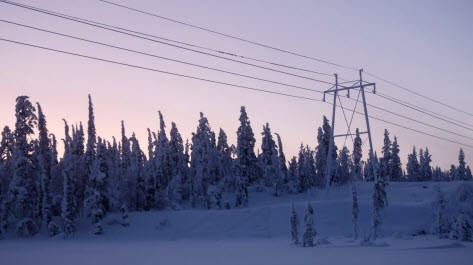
228, 36
202, 47
426, 113
183, 43
278, 49
218, 70
157, 70
418, 94
398, 101
157, 41
160, 57
221, 83
426, 124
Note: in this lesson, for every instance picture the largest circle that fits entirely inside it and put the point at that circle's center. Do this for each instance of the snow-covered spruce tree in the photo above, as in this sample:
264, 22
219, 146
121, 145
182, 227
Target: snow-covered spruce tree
270, 162
68, 206
396, 166
424, 165
127, 178
354, 211
442, 224
7, 147
379, 202
200, 163
461, 169
309, 227
293, 182
45, 160
310, 165
246, 158
163, 164
150, 175
461, 229
56, 175
6, 174
320, 159
357, 155
302, 174
79, 169
343, 174
282, 158
178, 189
294, 223
214, 173
327, 138
126, 149
23, 198
137, 172
386, 160
412, 166
151, 145
91, 138
96, 202
114, 178
226, 162
421, 164
469, 176
188, 182
453, 173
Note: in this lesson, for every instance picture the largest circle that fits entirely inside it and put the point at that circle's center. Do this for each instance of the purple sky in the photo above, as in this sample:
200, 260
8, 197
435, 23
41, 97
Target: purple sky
422, 45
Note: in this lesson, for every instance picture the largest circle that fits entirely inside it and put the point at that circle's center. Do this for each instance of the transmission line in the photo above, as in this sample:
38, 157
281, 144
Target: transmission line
398, 101
202, 47
228, 36
425, 112
161, 42
160, 57
171, 40
418, 94
221, 83
156, 70
278, 49
421, 122
214, 69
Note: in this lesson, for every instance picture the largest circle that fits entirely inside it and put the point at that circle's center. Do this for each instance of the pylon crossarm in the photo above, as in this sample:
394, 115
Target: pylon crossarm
342, 88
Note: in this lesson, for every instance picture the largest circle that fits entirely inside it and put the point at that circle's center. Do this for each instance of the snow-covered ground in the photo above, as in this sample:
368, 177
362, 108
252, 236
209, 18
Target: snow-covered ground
260, 234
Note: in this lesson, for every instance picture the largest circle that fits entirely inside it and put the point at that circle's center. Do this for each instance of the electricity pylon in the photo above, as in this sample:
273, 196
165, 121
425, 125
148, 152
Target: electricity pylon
361, 85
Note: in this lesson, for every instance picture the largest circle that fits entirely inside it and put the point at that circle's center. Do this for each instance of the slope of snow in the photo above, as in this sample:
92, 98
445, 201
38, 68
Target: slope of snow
259, 234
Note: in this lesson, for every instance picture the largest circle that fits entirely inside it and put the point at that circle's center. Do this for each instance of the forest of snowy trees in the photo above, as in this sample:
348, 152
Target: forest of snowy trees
42, 191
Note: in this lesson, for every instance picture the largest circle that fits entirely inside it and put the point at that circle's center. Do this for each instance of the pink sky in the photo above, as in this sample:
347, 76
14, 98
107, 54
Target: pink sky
423, 45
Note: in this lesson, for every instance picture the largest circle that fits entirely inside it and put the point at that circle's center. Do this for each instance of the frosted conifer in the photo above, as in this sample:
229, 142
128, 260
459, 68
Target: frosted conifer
23, 199
461, 229
294, 222
357, 155
309, 228
396, 169
246, 158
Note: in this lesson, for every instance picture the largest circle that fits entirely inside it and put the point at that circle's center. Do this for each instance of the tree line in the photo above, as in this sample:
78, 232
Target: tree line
43, 192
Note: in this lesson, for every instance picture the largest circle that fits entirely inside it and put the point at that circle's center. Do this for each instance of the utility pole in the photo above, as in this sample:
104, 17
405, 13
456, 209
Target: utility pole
360, 84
